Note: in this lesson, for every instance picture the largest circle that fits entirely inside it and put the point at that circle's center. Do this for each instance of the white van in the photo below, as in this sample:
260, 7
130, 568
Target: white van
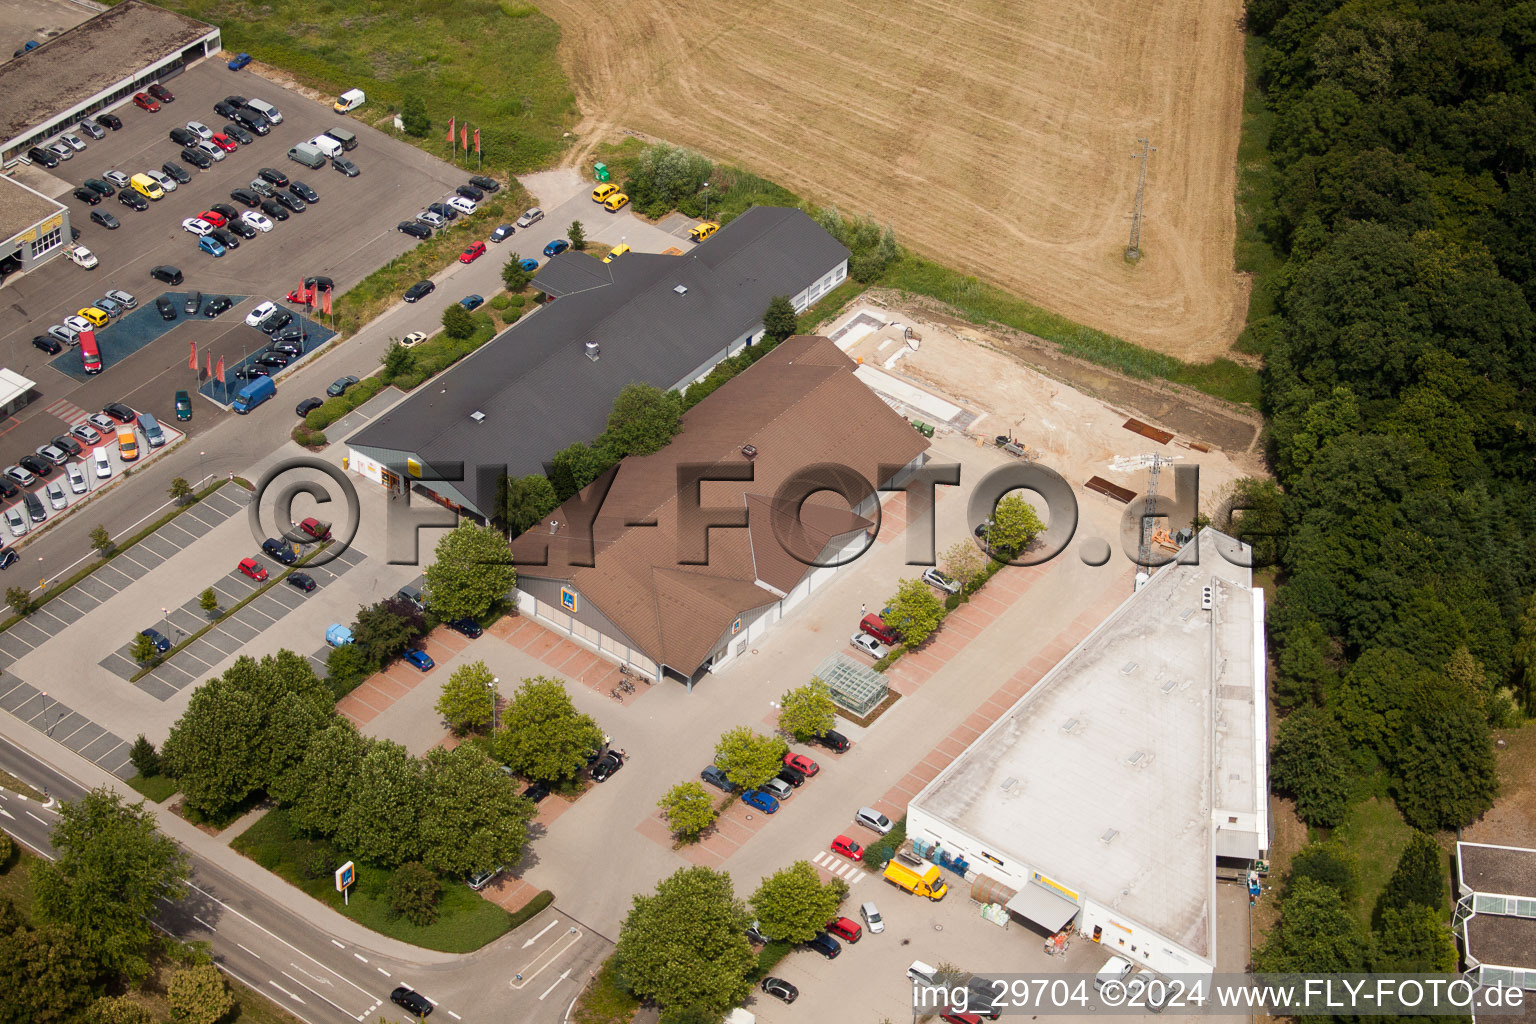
327, 145
266, 110
923, 974
103, 462
349, 100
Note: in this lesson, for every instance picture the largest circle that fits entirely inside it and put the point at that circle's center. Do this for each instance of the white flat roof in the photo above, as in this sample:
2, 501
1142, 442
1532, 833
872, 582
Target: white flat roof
13, 385
1105, 774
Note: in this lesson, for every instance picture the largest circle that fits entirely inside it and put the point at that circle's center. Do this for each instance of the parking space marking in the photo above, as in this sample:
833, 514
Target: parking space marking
239, 630
222, 641
109, 575
156, 689
119, 664
46, 621
175, 534
130, 567
94, 588
27, 634
13, 646
83, 737
18, 698
8, 683
64, 611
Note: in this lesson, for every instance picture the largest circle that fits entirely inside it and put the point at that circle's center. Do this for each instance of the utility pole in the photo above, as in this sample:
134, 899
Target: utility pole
1133, 251
1149, 520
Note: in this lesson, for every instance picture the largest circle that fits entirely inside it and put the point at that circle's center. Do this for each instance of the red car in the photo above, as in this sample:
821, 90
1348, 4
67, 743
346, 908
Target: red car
224, 142
303, 297
848, 848
956, 1017
845, 929
474, 252
143, 100
254, 569
161, 93
802, 764
215, 218
316, 529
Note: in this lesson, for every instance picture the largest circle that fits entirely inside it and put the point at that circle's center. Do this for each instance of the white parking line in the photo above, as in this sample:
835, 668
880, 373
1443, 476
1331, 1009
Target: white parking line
250, 951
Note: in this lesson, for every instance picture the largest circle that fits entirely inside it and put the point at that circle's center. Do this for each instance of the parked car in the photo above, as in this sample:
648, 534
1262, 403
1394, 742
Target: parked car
176, 171
252, 568
36, 466
53, 453
419, 291
446, 212
39, 155
91, 128
715, 776
166, 307
790, 777
144, 101
105, 189
872, 820
414, 338
502, 233
47, 344
826, 945
85, 432
183, 406
183, 136
159, 639
304, 192
832, 740
196, 226
217, 305
259, 221
260, 313
616, 202
240, 61
416, 656
935, 578
488, 184
532, 216
197, 158
340, 385
13, 519
242, 228
133, 200
467, 627
464, 206
245, 197
869, 645
607, 765
167, 274
224, 142
315, 528
847, 847
278, 550
470, 192
76, 478
68, 444
308, 406
780, 989
473, 252
87, 196
845, 929
302, 580
20, 475
105, 219
472, 302
161, 93
102, 422
225, 237
289, 201
762, 801
276, 322
212, 246
111, 121
413, 1002
272, 208
801, 764
120, 413
273, 176
556, 247
528, 265
345, 166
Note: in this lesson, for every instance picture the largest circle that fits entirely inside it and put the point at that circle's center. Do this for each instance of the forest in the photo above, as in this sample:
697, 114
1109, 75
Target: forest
1399, 365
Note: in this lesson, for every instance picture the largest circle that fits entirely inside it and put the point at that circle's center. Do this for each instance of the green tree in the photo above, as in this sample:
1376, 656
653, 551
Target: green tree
381, 822
1525, 655
413, 893
513, 277
780, 320
117, 1010
457, 321
398, 361
1316, 933
101, 541
1014, 525
465, 702
686, 944
689, 810
381, 632
198, 995
1411, 940
542, 734
181, 491
471, 573
47, 973
144, 758
1310, 762
473, 819
575, 466
212, 747
346, 665
413, 115
208, 600
962, 563
643, 420
792, 904
1417, 881
319, 787
577, 235
20, 600
1328, 863
914, 613
528, 499
113, 871
1445, 770
807, 710
144, 649
7, 849
749, 759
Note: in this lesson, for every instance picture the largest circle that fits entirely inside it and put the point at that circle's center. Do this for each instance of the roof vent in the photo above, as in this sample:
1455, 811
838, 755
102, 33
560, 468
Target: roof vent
1139, 759
1070, 726
749, 451
1109, 837
477, 416
1169, 685
1129, 667
681, 289
1207, 598
1010, 782
593, 350
554, 526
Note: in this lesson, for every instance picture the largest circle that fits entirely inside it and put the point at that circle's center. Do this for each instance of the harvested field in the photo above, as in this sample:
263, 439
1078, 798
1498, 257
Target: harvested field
995, 136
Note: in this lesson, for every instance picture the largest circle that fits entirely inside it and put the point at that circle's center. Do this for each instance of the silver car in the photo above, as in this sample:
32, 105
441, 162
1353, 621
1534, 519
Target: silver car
13, 520
74, 142
533, 216
111, 307
117, 178
66, 335
165, 181
935, 578
77, 481
869, 645
52, 453
61, 150
21, 476
120, 296
428, 217
56, 496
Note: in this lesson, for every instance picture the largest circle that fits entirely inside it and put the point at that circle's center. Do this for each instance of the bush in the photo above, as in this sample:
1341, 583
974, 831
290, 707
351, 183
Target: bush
501, 301
413, 893
309, 438
335, 408
951, 602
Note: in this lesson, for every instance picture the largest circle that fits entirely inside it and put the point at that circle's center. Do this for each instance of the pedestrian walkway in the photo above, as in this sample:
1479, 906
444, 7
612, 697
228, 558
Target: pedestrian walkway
67, 411
59, 722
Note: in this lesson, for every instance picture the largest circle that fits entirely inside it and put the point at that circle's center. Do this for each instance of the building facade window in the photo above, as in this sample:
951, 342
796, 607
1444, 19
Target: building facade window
49, 241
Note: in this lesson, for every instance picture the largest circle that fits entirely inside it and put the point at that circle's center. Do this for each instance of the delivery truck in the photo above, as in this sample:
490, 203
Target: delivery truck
915, 875
253, 394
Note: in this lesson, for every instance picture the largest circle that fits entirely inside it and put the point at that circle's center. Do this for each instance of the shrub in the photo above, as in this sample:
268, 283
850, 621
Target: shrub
413, 893
499, 302
335, 408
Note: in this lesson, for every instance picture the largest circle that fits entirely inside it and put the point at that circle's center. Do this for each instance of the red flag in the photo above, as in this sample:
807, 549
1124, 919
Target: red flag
192, 359
477, 140
464, 136
210, 364
450, 131
327, 302
220, 373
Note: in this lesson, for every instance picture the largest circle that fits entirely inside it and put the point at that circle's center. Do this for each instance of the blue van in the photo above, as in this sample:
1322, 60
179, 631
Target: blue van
152, 432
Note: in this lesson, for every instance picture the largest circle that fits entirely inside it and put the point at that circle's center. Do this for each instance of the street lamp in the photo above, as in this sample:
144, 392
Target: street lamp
203, 478
706, 200
495, 699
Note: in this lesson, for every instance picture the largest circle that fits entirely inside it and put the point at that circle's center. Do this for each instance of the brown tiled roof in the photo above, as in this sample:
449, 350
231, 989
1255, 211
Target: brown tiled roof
800, 406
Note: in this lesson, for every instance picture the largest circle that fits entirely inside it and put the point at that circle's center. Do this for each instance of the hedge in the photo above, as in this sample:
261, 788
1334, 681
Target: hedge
335, 408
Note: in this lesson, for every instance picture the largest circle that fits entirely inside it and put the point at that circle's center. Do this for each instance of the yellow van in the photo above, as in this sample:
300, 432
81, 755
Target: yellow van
603, 192
146, 186
703, 231
95, 316
127, 444
616, 252
615, 202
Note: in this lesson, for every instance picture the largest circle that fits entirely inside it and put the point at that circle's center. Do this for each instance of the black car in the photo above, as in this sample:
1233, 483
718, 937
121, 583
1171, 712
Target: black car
67, 444
226, 109
308, 406
273, 175
276, 359
419, 290
294, 334
791, 776
34, 465
444, 211
227, 238
97, 185
607, 765
826, 945
183, 136
131, 199
105, 219
271, 208
225, 210
291, 201
832, 740
414, 229
87, 196
275, 322
193, 304
340, 385
161, 93
217, 305
168, 274
236, 101
120, 412
176, 171
8, 558
280, 551
536, 792
240, 228
111, 121
302, 580
197, 158
345, 166
245, 197
252, 119
166, 307
780, 989
292, 348
8, 491
470, 192
47, 344
469, 627
489, 184
323, 284
251, 372
41, 156
239, 134
161, 643
304, 192
413, 1002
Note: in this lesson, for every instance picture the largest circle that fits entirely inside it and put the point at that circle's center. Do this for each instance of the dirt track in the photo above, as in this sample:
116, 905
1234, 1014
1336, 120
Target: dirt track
995, 135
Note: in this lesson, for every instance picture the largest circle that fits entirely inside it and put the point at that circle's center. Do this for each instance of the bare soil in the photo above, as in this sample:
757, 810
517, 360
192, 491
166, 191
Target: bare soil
994, 135
1512, 819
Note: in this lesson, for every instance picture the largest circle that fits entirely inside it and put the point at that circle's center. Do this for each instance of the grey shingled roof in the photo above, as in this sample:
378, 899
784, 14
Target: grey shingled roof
534, 382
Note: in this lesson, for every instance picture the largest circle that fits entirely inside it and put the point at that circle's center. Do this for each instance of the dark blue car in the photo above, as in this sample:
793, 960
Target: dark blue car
240, 61
161, 643
762, 801
556, 247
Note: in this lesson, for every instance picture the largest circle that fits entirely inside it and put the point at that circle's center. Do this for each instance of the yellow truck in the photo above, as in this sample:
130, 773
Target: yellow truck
915, 875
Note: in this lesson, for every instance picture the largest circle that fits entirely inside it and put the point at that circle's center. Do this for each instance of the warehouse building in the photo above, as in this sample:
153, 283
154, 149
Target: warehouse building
1495, 918
94, 66
549, 380
33, 228
1106, 797
680, 601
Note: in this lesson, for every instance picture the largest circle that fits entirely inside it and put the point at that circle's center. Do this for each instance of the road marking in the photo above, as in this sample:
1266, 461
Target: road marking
322, 981
382, 971
205, 924
285, 992
426, 997
35, 818
253, 986
556, 985
7, 813
818, 858
250, 951
539, 936
361, 957
534, 969
337, 944
454, 1015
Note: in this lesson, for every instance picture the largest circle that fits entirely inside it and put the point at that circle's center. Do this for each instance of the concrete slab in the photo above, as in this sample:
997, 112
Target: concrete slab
83, 737
156, 689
